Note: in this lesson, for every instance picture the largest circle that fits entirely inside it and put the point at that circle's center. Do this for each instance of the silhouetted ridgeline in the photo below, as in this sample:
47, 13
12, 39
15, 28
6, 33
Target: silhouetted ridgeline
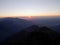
31, 35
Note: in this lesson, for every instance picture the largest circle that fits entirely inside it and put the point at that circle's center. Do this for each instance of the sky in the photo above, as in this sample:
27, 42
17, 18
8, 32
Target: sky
29, 8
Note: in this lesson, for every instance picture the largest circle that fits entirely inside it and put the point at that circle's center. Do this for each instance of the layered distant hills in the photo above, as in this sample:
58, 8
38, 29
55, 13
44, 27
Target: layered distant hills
14, 31
46, 21
51, 22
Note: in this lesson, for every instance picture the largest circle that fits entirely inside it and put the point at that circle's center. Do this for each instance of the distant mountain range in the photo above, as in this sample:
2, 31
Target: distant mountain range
15, 31
46, 21
51, 22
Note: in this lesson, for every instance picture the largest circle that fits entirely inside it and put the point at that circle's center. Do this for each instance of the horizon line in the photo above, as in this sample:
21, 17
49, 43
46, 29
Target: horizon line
27, 16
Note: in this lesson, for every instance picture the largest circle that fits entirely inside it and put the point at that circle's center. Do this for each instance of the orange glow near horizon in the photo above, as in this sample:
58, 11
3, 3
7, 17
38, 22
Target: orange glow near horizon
29, 15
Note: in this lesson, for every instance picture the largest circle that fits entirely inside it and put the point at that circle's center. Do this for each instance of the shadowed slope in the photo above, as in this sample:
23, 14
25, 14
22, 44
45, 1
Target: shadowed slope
10, 26
56, 28
41, 36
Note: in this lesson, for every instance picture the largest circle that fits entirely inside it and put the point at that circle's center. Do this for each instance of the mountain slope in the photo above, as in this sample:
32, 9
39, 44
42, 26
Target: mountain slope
35, 36
56, 28
9, 26
45, 36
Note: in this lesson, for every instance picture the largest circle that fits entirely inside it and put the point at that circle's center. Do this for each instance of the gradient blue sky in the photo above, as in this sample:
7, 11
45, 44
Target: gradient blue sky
29, 7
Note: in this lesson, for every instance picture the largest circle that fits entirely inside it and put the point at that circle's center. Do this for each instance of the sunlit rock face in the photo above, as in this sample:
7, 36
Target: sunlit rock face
9, 26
